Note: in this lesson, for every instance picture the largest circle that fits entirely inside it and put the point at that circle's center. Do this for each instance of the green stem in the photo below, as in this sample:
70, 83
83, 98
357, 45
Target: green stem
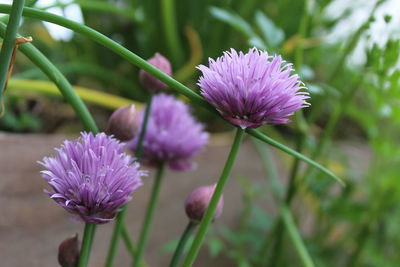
144, 233
171, 30
60, 81
290, 192
295, 236
119, 224
208, 216
141, 63
87, 242
127, 239
182, 243
272, 142
147, 112
9, 42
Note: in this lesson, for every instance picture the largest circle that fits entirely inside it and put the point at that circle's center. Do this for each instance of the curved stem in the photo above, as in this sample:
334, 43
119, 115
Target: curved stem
182, 243
60, 81
141, 63
171, 30
208, 216
272, 142
9, 42
144, 233
119, 224
87, 242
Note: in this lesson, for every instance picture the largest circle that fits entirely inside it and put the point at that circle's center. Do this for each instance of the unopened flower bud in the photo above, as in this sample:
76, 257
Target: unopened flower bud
197, 202
68, 252
151, 82
124, 123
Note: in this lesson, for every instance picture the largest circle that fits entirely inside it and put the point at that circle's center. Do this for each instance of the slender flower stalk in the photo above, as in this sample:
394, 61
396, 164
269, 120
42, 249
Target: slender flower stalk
87, 241
9, 42
191, 226
148, 219
209, 215
120, 221
139, 147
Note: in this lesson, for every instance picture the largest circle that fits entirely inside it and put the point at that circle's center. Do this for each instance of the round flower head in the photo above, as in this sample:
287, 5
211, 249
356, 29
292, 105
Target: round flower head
151, 82
92, 177
173, 136
197, 203
253, 89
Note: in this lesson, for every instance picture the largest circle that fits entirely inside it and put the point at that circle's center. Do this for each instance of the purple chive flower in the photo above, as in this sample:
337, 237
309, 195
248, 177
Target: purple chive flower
253, 89
173, 136
92, 177
151, 82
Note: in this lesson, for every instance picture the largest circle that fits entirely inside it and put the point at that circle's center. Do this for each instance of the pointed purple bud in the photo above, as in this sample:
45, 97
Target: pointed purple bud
151, 82
197, 202
68, 252
124, 123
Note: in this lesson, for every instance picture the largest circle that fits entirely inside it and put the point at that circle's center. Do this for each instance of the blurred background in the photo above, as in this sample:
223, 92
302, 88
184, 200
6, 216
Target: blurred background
346, 53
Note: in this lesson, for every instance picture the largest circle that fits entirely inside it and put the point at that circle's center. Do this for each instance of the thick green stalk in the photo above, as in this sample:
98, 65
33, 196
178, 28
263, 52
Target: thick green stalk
87, 242
141, 63
9, 42
144, 233
208, 216
182, 243
60, 81
119, 223
171, 30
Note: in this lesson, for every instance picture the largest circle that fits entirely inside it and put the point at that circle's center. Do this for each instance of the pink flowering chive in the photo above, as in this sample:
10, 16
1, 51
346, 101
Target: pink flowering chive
92, 177
173, 136
253, 89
